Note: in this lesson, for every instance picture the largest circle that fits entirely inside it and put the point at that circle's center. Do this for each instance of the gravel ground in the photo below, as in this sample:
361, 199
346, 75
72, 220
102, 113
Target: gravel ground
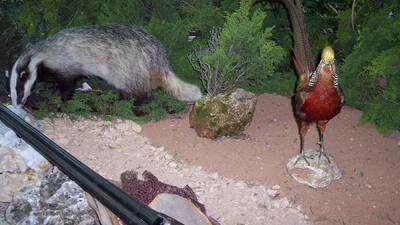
111, 148
367, 194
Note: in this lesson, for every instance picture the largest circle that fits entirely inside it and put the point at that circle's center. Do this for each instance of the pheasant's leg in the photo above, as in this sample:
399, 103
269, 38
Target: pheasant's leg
303, 129
321, 125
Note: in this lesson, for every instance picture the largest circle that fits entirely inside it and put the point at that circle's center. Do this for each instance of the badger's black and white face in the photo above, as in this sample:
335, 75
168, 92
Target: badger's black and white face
22, 78
21, 83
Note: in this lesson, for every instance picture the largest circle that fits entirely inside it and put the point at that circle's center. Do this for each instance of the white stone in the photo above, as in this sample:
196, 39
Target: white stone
240, 184
180, 209
12, 182
11, 162
320, 173
9, 138
273, 193
173, 164
214, 176
276, 187
32, 158
168, 157
54, 200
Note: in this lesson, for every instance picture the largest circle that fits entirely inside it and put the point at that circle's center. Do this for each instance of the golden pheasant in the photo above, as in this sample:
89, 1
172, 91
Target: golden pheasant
318, 99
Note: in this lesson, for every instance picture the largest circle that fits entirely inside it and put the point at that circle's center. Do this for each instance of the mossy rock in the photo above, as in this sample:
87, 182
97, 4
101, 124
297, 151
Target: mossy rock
223, 115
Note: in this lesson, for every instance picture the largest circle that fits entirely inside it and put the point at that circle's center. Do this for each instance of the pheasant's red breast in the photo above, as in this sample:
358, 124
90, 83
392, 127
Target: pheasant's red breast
322, 102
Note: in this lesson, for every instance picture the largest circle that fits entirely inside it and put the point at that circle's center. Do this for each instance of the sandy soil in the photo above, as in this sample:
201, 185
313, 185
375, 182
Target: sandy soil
368, 193
111, 148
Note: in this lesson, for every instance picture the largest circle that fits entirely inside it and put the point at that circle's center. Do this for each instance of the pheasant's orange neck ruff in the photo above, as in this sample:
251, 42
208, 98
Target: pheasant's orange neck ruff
324, 72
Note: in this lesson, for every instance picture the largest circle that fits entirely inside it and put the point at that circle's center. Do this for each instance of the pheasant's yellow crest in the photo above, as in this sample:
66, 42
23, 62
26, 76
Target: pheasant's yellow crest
328, 55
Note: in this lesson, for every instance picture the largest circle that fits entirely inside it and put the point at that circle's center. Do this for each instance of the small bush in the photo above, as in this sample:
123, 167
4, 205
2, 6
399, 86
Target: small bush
239, 52
161, 106
104, 105
108, 105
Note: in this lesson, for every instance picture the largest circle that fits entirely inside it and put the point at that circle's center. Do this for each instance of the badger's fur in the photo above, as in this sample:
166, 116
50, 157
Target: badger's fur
127, 57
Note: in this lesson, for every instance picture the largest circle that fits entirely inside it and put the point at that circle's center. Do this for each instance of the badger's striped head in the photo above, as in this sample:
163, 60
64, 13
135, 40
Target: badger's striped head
20, 83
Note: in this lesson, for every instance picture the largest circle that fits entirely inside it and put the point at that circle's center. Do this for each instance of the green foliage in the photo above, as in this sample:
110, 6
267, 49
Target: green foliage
42, 18
161, 106
240, 52
346, 37
108, 105
229, 6
200, 15
276, 16
174, 37
244, 38
172, 32
104, 105
370, 73
384, 108
9, 45
365, 39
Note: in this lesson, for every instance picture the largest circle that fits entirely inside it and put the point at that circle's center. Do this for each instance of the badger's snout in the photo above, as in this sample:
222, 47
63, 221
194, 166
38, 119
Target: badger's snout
17, 90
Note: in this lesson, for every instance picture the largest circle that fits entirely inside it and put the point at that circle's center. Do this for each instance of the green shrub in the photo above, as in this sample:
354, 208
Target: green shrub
161, 106
238, 53
108, 105
371, 72
104, 105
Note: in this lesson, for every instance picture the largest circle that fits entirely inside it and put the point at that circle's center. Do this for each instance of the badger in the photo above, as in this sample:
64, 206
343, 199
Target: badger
125, 56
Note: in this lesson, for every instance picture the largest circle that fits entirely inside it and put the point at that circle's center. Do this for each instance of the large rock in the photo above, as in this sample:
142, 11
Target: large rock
57, 200
14, 173
20, 164
10, 161
9, 140
11, 182
223, 115
33, 194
